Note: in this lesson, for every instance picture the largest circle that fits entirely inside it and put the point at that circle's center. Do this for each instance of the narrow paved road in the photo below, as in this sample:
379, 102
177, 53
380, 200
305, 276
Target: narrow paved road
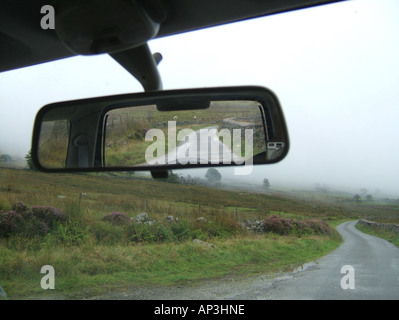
205, 148
375, 272
375, 265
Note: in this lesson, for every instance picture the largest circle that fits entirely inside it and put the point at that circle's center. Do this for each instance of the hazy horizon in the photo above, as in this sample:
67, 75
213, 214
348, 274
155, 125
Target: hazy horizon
335, 73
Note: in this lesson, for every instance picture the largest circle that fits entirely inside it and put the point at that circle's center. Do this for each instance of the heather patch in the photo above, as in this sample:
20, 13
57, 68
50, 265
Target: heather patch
29, 222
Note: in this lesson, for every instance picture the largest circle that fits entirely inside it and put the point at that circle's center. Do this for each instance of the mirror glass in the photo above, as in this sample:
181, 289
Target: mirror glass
227, 132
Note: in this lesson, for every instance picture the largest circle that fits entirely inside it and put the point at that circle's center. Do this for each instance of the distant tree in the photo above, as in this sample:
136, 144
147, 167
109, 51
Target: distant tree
5, 158
28, 158
173, 177
369, 197
357, 197
266, 184
193, 180
213, 175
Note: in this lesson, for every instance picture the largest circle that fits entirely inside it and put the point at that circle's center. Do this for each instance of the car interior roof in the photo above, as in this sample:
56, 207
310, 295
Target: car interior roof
24, 43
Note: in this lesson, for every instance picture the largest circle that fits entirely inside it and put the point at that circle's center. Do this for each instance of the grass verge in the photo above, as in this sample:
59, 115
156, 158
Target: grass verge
91, 269
389, 235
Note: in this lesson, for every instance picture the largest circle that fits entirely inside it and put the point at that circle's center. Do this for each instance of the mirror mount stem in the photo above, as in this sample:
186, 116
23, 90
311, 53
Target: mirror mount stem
142, 65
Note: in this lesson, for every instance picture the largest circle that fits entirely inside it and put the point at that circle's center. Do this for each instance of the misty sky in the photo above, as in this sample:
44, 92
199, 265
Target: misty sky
334, 68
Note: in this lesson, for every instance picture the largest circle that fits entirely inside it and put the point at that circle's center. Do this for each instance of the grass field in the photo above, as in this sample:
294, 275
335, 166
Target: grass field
91, 255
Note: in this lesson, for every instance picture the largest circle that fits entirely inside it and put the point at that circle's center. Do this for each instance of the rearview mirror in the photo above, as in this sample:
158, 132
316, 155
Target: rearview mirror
161, 131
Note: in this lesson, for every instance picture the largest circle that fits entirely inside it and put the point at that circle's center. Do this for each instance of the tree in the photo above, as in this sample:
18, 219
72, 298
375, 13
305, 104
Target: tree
173, 177
357, 197
213, 175
266, 184
5, 158
369, 197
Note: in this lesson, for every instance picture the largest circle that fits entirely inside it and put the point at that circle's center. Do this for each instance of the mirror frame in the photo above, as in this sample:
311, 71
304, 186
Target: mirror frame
267, 99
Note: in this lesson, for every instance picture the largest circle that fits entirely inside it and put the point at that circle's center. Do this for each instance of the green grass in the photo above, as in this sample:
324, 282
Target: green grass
389, 235
90, 269
105, 194
91, 256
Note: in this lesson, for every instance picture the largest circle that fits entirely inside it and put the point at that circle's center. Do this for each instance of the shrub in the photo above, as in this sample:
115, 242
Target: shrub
161, 233
48, 215
20, 208
107, 233
156, 232
216, 230
10, 223
117, 218
69, 234
277, 225
34, 227
319, 226
140, 233
301, 228
181, 231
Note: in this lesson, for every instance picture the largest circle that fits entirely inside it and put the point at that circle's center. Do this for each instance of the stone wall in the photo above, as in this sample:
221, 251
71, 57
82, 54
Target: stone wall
386, 226
234, 123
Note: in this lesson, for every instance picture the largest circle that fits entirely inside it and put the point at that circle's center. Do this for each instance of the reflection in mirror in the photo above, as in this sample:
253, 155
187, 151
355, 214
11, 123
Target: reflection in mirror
161, 131
53, 143
228, 132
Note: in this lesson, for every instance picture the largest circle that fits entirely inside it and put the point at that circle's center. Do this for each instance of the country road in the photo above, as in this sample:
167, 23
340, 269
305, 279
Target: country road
375, 275
199, 148
375, 265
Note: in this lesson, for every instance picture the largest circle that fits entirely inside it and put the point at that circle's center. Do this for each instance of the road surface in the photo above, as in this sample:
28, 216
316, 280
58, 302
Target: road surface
373, 274
197, 148
375, 265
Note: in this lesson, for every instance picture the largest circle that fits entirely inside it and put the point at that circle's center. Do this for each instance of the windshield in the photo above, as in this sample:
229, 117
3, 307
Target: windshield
335, 70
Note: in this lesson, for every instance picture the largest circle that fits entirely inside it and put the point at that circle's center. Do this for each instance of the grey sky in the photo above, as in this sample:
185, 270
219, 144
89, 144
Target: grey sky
334, 68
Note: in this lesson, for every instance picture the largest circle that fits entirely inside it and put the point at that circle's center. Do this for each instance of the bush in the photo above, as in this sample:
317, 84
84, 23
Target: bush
181, 231
216, 230
277, 225
158, 232
161, 233
107, 233
140, 233
301, 228
30, 223
34, 227
10, 223
117, 218
48, 215
69, 234
283, 226
319, 226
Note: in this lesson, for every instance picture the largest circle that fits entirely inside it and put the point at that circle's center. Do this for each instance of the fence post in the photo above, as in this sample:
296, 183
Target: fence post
80, 200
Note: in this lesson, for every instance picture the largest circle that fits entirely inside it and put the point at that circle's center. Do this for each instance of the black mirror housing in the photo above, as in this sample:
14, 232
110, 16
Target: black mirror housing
162, 130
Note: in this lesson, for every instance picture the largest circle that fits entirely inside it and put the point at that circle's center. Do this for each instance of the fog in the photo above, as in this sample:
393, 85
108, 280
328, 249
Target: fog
334, 68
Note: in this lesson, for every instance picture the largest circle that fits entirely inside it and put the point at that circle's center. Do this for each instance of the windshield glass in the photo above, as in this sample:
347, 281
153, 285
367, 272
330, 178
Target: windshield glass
335, 70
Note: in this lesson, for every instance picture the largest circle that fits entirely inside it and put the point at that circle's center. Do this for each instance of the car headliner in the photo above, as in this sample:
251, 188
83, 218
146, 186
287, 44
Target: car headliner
24, 43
